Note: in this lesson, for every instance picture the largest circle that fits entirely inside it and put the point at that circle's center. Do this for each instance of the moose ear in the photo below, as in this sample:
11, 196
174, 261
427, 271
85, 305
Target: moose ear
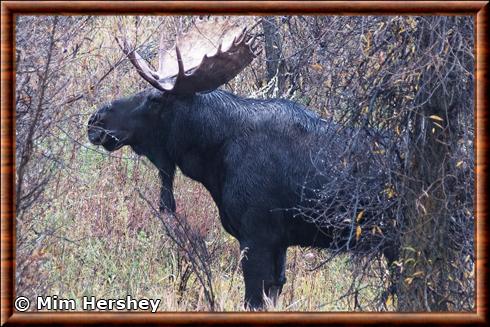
209, 55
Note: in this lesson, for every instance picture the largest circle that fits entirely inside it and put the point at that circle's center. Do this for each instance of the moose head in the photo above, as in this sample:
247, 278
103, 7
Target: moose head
209, 55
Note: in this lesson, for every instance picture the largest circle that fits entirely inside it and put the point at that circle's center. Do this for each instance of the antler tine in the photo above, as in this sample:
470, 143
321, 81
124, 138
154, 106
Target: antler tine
220, 47
144, 70
239, 39
138, 62
233, 43
180, 62
253, 46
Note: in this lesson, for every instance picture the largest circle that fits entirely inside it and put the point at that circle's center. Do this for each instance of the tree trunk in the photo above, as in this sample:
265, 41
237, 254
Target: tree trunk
273, 54
427, 257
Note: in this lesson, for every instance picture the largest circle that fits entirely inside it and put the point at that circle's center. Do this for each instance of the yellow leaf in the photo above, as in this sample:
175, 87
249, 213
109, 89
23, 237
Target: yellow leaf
412, 22
359, 216
435, 117
390, 192
438, 125
358, 232
459, 163
389, 300
379, 230
409, 248
317, 67
408, 280
418, 273
410, 260
397, 263
367, 47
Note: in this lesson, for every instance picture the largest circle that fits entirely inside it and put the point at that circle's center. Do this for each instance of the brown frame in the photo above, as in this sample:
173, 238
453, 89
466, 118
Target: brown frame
479, 9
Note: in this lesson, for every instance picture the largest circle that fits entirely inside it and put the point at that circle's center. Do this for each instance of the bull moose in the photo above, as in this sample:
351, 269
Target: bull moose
252, 155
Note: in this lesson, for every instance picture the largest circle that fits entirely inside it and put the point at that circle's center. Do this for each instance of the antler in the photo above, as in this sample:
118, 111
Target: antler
207, 56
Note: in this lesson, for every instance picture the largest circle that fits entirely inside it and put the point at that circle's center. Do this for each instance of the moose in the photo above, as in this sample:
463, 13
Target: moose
254, 156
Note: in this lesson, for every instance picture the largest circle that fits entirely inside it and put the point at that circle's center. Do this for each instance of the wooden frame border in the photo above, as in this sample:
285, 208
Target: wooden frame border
479, 9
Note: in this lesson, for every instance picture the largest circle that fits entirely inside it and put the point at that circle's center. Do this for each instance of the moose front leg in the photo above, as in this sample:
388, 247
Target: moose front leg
167, 201
263, 272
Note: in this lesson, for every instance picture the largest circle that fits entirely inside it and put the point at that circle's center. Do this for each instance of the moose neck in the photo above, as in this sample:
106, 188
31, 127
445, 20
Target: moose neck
199, 130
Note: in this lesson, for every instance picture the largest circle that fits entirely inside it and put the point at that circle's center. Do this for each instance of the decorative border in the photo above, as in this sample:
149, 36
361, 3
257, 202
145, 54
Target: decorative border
479, 9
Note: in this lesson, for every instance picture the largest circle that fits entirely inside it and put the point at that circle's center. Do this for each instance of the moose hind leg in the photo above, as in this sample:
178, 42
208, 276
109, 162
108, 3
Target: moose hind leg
260, 274
279, 274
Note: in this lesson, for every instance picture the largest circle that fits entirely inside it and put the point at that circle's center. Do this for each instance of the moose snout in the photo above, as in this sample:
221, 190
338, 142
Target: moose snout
95, 130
